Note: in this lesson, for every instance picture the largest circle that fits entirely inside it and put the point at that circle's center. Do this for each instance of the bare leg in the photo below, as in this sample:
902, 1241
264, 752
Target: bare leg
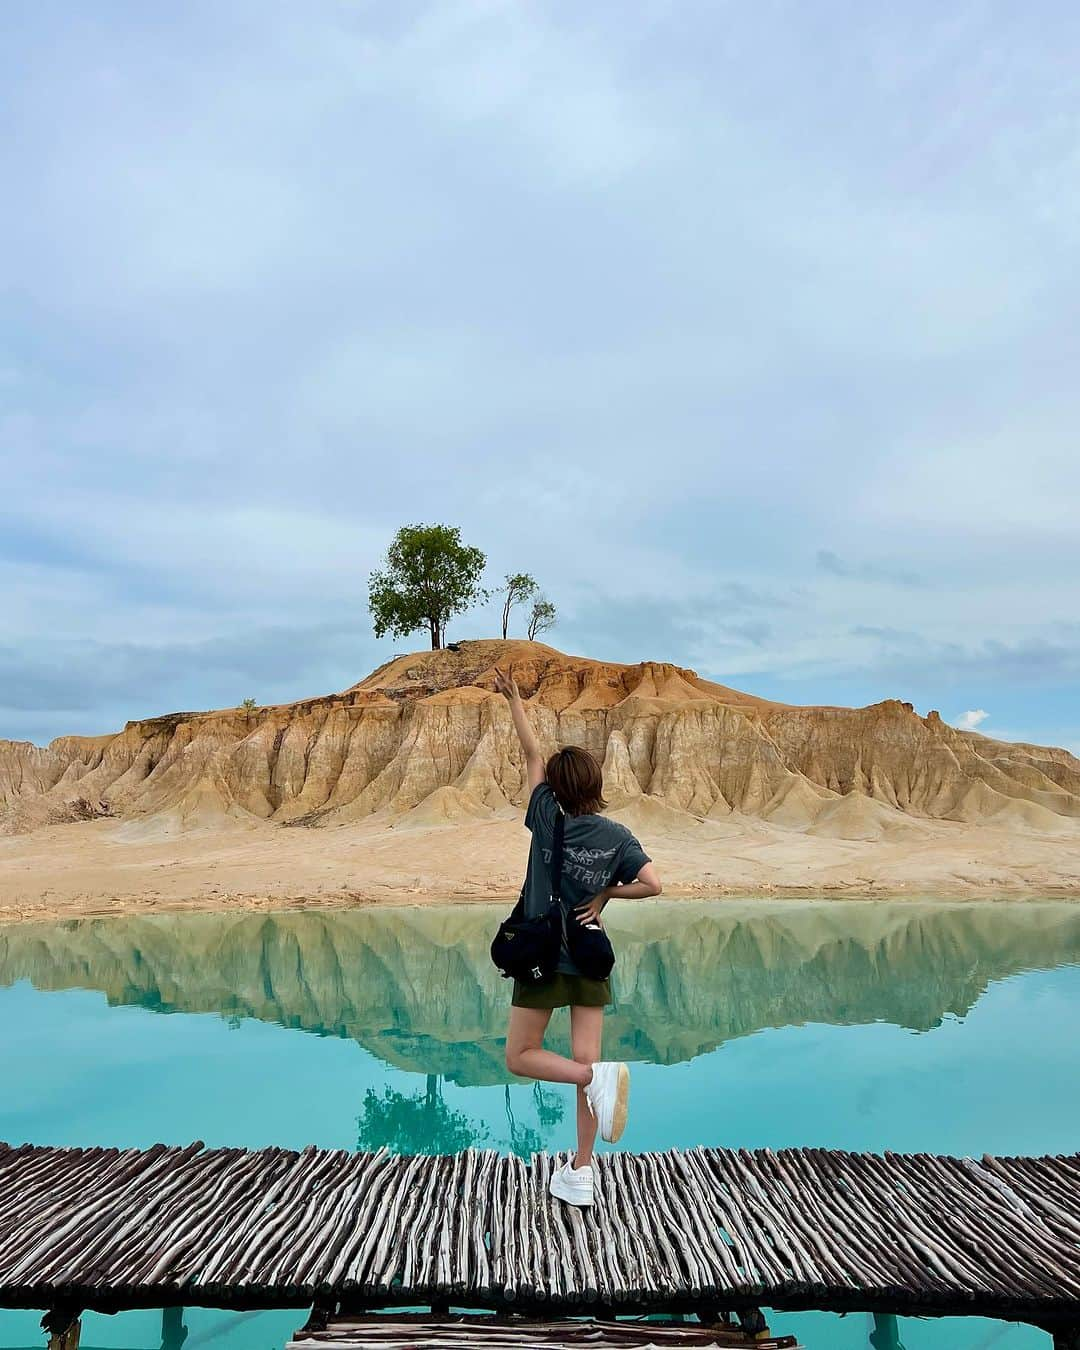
525, 1053
586, 1029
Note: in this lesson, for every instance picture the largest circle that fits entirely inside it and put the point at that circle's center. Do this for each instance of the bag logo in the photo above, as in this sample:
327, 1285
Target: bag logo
537, 973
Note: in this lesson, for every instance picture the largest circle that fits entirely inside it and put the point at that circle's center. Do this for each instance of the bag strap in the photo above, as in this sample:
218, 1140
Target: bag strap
557, 856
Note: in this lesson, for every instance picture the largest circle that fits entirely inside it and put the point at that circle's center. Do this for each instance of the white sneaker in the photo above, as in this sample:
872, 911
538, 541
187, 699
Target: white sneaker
572, 1184
608, 1096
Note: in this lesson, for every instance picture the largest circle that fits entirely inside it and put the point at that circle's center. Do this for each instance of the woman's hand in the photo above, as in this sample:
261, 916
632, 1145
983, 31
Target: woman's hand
589, 912
506, 685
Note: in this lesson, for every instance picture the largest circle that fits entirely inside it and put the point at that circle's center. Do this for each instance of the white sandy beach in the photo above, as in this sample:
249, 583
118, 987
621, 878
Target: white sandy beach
110, 866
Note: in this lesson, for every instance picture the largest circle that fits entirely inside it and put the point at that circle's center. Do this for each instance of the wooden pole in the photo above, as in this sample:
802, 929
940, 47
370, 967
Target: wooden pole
173, 1331
64, 1327
752, 1321
886, 1333
67, 1340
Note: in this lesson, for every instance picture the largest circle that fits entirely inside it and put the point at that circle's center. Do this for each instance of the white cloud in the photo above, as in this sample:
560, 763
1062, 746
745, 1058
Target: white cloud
968, 721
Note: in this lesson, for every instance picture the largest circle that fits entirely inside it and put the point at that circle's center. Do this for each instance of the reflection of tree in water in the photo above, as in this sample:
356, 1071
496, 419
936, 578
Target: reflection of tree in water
418, 1122
524, 1140
550, 1107
421, 1122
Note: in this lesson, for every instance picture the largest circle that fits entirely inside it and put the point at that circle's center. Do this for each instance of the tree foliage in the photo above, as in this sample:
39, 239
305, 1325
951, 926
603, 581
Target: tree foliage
417, 1123
429, 576
519, 588
542, 617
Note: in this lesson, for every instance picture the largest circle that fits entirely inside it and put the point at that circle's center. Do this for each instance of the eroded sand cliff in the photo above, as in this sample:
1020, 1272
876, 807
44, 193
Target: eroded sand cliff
411, 782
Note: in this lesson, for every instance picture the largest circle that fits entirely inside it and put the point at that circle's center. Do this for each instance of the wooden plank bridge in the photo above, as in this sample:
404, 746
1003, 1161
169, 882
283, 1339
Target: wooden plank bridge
678, 1232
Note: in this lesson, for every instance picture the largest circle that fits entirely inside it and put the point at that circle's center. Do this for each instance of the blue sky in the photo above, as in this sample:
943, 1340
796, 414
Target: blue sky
750, 329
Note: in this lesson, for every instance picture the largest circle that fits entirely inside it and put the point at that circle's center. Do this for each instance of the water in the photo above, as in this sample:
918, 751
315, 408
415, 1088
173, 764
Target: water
870, 1025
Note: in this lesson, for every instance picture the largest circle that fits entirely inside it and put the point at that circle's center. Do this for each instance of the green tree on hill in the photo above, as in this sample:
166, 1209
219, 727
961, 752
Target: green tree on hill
429, 576
542, 617
519, 588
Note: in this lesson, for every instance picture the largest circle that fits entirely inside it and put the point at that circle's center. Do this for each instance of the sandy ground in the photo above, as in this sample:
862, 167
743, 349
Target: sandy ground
110, 866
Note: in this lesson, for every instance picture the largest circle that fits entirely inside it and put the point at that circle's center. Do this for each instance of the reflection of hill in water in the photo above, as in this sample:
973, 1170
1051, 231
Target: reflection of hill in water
415, 986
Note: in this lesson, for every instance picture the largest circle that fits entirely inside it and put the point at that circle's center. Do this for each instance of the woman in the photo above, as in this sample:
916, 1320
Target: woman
600, 859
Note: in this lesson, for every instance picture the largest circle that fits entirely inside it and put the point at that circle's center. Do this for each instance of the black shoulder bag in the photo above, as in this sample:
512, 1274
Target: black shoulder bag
528, 949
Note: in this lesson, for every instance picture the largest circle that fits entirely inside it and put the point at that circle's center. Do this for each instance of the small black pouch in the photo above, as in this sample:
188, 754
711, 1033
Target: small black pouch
590, 949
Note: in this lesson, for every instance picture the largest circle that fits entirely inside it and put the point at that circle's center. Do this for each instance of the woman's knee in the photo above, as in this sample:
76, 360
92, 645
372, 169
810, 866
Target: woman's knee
515, 1058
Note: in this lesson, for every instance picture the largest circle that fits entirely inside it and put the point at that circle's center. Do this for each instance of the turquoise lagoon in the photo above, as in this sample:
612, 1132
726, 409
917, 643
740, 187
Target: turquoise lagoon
864, 1025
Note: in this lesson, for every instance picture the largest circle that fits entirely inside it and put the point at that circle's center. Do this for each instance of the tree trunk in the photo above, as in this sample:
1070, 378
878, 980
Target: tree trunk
433, 626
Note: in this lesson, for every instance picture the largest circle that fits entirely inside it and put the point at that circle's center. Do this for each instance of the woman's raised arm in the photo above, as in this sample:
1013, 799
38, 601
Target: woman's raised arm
534, 760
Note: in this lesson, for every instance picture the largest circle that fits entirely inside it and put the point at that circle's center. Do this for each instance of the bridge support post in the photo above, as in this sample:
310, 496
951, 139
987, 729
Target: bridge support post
752, 1321
886, 1333
64, 1327
173, 1331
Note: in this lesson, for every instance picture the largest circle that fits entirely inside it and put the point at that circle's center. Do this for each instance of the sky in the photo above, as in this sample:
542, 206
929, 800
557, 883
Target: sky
750, 329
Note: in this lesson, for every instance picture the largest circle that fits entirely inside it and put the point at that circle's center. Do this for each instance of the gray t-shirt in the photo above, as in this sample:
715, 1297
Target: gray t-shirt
597, 852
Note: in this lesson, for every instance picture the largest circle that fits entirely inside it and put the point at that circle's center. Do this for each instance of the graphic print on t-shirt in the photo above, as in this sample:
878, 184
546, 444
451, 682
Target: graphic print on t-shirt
581, 865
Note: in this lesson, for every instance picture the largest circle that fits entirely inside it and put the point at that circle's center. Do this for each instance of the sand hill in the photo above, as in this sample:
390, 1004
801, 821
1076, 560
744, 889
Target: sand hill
423, 749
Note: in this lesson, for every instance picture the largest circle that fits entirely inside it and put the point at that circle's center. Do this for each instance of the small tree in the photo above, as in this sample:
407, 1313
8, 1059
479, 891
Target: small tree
249, 705
519, 588
428, 577
542, 617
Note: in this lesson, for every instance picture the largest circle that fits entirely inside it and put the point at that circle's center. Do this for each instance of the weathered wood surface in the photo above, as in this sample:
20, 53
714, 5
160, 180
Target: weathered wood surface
798, 1228
487, 1333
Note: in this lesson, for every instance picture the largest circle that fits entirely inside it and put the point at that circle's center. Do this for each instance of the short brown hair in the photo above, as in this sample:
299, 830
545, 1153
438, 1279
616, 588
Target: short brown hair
577, 781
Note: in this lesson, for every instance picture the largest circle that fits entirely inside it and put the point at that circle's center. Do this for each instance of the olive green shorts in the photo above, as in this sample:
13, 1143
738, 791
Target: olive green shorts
563, 991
